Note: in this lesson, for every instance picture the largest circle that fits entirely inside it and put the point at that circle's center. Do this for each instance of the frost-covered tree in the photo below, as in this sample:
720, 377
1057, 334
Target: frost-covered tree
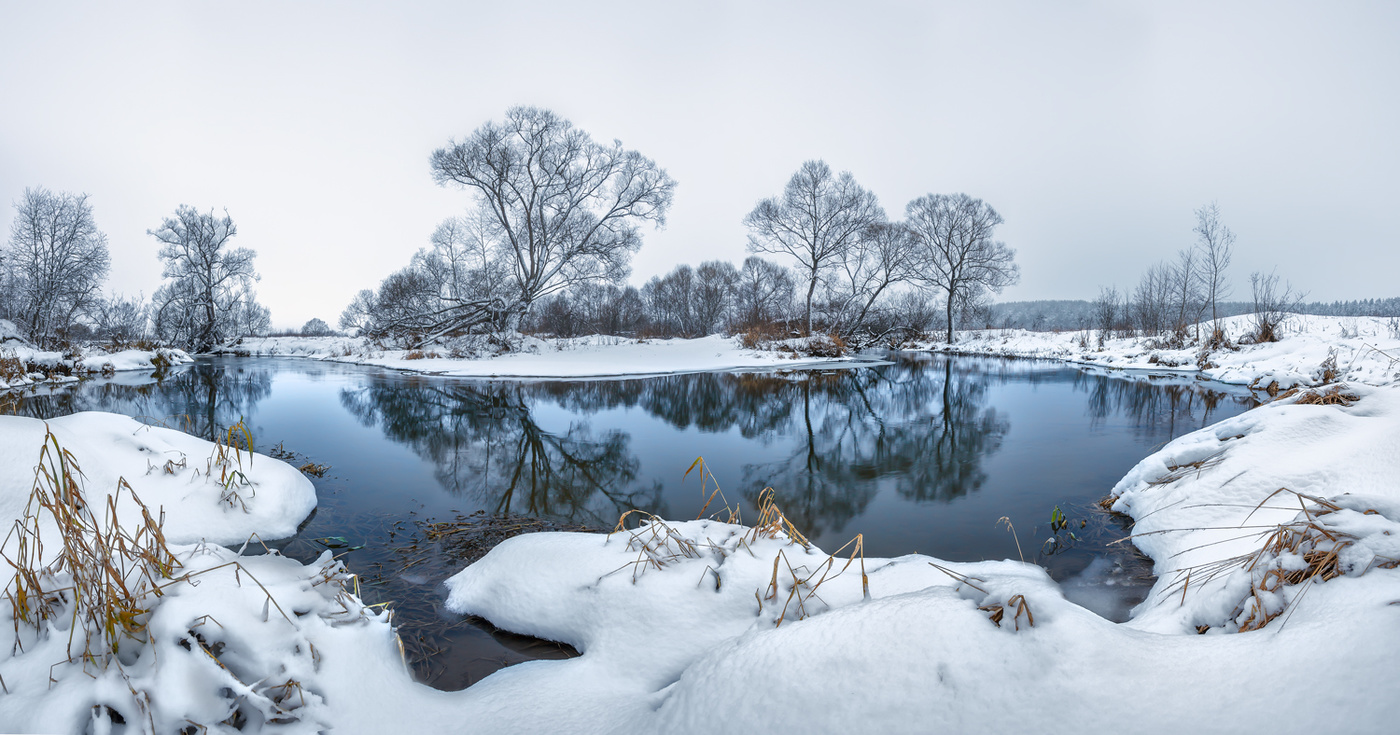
315, 328
955, 252
815, 222
54, 264
121, 320
554, 208
208, 295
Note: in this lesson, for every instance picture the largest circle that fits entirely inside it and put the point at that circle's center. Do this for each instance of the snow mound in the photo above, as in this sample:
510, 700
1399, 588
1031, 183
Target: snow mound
172, 472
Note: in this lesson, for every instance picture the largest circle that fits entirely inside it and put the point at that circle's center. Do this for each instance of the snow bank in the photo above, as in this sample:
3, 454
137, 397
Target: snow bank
212, 641
582, 357
22, 364
694, 645
1359, 349
1275, 610
169, 470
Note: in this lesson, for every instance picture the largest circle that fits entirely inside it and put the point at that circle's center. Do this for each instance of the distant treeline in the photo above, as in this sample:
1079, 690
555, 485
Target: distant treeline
1066, 315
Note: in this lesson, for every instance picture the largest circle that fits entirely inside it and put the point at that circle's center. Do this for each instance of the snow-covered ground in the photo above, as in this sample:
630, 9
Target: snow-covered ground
581, 357
1363, 349
702, 626
202, 636
23, 365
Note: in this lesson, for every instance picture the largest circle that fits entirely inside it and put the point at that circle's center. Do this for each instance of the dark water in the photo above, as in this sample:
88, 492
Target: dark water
925, 454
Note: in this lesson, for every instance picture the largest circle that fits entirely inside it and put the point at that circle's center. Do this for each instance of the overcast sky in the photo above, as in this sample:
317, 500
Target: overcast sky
1095, 129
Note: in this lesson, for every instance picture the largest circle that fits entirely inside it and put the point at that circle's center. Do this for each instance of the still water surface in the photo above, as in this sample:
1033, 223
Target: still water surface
925, 455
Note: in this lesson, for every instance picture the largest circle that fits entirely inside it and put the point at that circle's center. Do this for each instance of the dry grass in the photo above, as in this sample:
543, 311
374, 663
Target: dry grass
1333, 396
421, 355
313, 469
1301, 551
1177, 471
1017, 603
116, 573
11, 368
227, 458
659, 545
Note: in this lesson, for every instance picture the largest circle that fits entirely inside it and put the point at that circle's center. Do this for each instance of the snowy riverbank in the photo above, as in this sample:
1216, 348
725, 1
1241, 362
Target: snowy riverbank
582, 357
23, 365
1361, 349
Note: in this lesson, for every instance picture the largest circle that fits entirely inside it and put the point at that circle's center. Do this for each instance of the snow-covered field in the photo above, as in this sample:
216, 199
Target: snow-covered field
581, 357
1362, 349
1275, 536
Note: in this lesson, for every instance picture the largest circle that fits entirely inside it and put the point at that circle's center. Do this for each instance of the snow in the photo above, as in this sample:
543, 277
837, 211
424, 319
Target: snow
169, 470
582, 357
160, 677
23, 365
702, 625
1364, 349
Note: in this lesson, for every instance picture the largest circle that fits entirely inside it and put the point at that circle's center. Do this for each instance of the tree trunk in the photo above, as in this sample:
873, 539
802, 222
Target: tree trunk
949, 312
811, 288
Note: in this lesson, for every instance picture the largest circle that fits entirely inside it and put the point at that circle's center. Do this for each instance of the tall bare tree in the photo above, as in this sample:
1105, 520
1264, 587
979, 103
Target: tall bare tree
55, 263
208, 296
556, 206
815, 221
1216, 243
955, 250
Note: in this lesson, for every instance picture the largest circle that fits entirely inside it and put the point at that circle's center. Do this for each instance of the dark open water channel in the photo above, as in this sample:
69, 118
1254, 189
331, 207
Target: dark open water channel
925, 454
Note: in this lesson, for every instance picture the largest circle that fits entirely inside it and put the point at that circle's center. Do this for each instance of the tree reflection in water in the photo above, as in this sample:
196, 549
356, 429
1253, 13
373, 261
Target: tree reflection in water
828, 441
485, 443
201, 399
1157, 409
840, 434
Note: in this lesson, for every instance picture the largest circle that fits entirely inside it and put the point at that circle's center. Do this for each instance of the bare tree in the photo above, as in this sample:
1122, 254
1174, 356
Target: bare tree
881, 257
554, 206
1273, 304
763, 294
1106, 312
815, 221
1152, 299
1216, 243
669, 297
1186, 292
955, 251
715, 281
208, 296
55, 263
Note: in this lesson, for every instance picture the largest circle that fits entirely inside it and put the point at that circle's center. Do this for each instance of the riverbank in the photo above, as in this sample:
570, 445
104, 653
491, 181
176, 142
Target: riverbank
1310, 350
22, 365
581, 357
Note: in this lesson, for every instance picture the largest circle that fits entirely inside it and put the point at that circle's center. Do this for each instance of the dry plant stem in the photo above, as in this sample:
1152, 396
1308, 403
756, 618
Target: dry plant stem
1012, 529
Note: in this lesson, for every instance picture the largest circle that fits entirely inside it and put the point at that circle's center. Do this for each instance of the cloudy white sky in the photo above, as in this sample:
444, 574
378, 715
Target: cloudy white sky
1095, 128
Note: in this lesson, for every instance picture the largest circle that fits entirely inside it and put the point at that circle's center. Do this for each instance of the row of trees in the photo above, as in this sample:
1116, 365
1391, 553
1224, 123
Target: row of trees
54, 264
557, 216
1174, 296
